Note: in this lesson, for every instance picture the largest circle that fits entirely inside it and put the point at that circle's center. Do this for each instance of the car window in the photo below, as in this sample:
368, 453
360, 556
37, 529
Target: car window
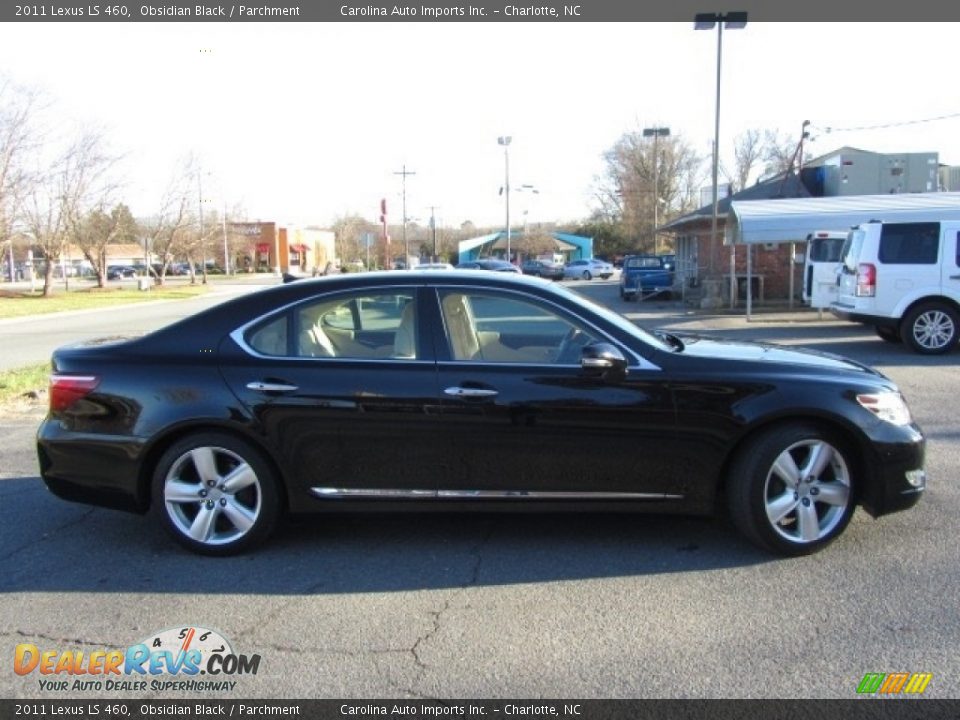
358, 326
493, 328
909, 243
270, 338
642, 262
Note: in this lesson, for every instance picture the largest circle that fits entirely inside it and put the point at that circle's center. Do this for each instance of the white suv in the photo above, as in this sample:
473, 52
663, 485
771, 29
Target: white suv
904, 279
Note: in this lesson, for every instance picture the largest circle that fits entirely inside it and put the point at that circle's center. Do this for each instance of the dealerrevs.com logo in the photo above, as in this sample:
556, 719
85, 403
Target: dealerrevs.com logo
194, 659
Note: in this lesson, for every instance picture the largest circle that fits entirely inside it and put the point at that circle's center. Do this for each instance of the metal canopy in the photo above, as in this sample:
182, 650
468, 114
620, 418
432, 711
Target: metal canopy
792, 219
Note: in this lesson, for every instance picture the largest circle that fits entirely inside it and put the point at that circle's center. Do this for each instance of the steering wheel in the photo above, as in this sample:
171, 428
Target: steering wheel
568, 350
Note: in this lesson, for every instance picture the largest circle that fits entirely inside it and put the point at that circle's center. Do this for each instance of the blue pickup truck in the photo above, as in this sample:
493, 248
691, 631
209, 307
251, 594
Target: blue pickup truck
646, 275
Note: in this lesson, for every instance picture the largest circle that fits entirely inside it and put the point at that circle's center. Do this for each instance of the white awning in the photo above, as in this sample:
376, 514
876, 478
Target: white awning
792, 219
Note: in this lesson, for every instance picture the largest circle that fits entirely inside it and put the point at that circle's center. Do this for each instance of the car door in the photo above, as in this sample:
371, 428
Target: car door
345, 391
523, 419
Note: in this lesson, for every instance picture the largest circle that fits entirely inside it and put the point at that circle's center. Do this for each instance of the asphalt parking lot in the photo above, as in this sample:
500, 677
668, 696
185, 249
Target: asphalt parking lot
514, 606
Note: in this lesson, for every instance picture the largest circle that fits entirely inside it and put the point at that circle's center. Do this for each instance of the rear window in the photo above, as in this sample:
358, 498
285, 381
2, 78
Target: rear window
826, 249
642, 262
909, 243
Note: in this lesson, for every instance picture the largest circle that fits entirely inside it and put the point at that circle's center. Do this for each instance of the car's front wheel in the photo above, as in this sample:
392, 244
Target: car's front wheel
930, 328
586, 275
791, 489
216, 494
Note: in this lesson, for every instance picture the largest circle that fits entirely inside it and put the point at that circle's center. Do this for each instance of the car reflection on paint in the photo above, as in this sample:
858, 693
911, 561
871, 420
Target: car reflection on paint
317, 396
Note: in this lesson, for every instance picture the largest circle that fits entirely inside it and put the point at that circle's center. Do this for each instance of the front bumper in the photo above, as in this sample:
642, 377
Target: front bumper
899, 475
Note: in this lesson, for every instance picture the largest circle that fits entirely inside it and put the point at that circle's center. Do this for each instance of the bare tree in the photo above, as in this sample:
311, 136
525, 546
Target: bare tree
76, 181
170, 232
18, 138
625, 192
99, 229
779, 152
748, 153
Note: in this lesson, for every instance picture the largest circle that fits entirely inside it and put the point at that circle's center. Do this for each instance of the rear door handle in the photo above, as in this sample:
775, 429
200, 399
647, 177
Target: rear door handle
955, 277
469, 392
271, 387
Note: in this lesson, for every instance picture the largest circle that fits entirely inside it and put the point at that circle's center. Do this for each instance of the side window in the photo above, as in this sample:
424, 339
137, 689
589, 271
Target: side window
362, 326
359, 326
271, 338
492, 328
957, 245
909, 243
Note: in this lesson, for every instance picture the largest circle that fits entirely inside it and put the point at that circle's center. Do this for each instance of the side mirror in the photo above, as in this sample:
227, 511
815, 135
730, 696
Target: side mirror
603, 360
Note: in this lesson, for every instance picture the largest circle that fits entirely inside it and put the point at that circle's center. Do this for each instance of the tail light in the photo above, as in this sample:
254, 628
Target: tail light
65, 390
866, 280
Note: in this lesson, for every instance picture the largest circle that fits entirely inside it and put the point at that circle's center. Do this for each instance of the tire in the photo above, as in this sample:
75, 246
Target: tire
586, 275
779, 509
888, 334
930, 328
235, 519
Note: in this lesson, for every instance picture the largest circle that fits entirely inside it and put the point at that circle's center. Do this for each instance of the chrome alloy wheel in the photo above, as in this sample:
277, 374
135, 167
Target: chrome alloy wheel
807, 491
212, 495
933, 329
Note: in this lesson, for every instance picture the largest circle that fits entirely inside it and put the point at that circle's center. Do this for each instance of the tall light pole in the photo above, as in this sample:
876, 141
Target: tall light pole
656, 133
707, 21
406, 248
505, 141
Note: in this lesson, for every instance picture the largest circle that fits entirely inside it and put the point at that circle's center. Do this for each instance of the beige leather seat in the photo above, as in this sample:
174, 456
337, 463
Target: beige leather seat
405, 339
465, 345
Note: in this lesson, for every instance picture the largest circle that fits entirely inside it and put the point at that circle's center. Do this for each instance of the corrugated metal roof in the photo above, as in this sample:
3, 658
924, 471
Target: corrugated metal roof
792, 219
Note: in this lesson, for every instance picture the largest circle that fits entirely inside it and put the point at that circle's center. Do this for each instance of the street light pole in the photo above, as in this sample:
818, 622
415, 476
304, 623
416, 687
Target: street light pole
707, 21
656, 133
505, 141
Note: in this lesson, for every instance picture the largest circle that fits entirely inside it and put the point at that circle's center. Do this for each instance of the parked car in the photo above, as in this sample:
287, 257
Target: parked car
542, 268
118, 272
647, 275
904, 279
491, 264
267, 404
821, 267
588, 269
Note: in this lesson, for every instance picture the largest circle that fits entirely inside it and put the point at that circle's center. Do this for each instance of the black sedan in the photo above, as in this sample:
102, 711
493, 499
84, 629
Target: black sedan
467, 390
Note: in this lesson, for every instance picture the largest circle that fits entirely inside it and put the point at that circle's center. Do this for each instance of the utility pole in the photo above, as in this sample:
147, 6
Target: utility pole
433, 228
406, 248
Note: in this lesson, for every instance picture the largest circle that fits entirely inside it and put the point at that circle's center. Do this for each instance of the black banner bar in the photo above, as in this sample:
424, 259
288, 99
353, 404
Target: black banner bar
861, 709
538, 11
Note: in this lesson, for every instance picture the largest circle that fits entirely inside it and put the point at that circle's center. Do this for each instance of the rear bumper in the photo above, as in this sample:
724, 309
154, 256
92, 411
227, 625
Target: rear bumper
850, 314
92, 469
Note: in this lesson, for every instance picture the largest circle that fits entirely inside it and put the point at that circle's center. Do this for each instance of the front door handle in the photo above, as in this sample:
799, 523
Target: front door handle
271, 387
469, 392
955, 277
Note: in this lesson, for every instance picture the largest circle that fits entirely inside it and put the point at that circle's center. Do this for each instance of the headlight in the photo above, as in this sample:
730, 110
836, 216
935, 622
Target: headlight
887, 406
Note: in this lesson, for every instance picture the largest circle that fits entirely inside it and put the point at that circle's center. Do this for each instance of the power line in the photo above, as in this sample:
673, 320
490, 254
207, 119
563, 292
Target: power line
891, 125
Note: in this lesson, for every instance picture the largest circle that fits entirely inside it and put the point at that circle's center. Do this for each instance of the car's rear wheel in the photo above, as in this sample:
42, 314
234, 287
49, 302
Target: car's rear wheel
930, 328
586, 275
216, 494
791, 489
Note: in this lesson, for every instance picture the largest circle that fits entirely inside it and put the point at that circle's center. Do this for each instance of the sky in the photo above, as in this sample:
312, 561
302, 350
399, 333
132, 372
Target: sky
302, 123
